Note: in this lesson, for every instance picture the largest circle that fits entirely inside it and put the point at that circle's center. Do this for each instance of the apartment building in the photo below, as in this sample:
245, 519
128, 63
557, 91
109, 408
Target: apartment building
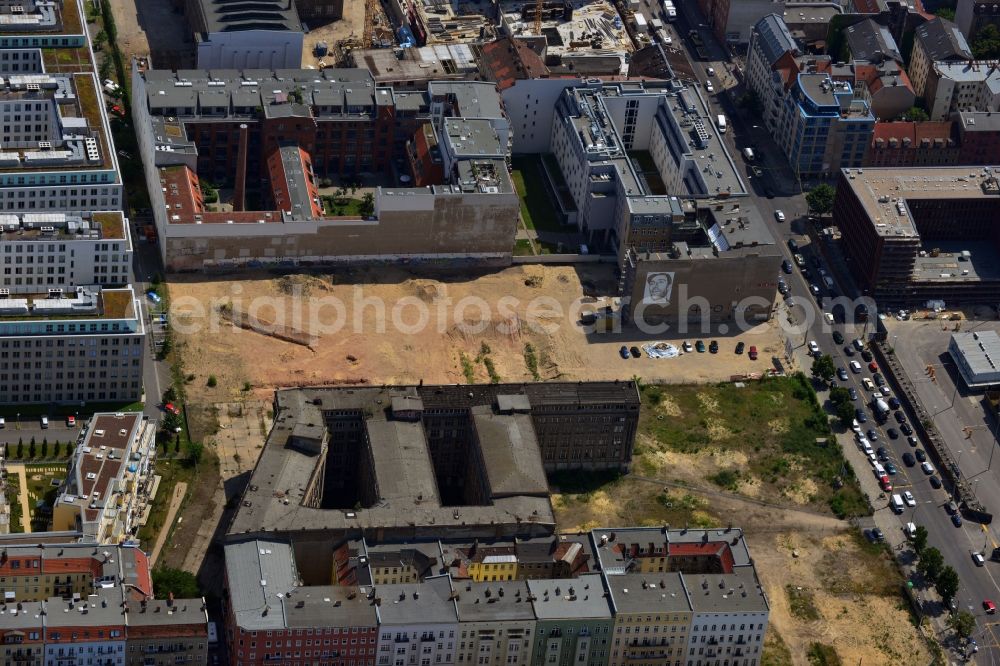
732, 21
109, 478
334, 624
82, 345
84, 603
906, 143
418, 623
573, 621
43, 251
652, 618
285, 130
978, 136
227, 36
496, 623
937, 40
561, 556
820, 123
962, 86
642, 602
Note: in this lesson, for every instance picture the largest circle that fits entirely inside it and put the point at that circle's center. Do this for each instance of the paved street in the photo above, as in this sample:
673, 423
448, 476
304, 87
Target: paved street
778, 181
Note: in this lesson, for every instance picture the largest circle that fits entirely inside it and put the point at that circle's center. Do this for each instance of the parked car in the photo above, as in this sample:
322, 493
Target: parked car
710, 71
842, 374
909, 460
793, 245
635, 352
623, 352
891, 469
71, 421
700, 346
740, 347
860, 415
909, 499
786, 266
849, 350
838, 337
879, 380
894, 403
912, 441
779, 216
906, 429
753, 353
713, 347
858, 344
927, 468
44, 421
688, 348
814, 290
891, 432
813, 348
899, 416
978, 558
709, 87
935, 482
873, 366
951, 508
852, 392
872, 435
989, 607
956, 520
866, 355
867, 383
921, 456
855, 366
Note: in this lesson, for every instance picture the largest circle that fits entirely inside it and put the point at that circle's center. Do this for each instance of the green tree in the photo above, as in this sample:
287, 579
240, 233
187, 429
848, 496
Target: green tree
919, 539
931, 563
367, 208
195, 452
45, 448
212, 381
822, 367
916, 114
987, 43
177, 444
170, 395
947, 13
32, 449
20, 448
947, 584
181, 583
839, 395
57, 449
962, 623
820, 199
100, 39
845, 412
69, 449
171, 422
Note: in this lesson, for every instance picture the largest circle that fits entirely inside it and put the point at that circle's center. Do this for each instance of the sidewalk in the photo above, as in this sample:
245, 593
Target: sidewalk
175, 503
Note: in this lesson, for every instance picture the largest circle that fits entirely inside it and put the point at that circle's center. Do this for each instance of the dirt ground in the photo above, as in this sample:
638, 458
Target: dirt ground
520, 306
153, 28
855, 593
350, 27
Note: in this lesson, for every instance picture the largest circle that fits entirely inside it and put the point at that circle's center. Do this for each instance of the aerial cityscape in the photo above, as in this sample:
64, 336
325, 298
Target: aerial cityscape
499, 332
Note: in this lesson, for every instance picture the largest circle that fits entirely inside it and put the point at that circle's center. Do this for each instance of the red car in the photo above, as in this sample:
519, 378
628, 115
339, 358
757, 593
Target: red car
873, 366
989, 607
71, 421
886, 484
170, 407
752, 353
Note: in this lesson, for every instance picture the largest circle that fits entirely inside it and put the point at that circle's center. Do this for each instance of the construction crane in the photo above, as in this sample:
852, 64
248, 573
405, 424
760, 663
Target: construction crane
538, 16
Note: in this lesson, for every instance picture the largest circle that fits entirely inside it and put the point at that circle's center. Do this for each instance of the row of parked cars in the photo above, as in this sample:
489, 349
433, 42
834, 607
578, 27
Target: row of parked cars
627, 352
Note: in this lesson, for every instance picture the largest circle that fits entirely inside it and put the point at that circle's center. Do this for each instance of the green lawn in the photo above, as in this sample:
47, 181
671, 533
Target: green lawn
352, 207
522, 248
536, 206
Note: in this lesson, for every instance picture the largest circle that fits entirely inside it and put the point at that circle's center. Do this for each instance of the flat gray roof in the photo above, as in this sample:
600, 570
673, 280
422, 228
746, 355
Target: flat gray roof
240, 15
570, 598
649, 593
493, 602
978, 356
511, 453
417, 603
329, 605
259, 571
738, 592
403, 468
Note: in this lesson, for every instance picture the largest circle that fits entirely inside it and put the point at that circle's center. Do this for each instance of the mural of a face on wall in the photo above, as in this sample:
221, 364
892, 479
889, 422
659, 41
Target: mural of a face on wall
659, 287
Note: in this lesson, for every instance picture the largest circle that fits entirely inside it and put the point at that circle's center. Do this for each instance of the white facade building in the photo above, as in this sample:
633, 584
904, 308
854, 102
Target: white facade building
962, 86
42, 251
418, 623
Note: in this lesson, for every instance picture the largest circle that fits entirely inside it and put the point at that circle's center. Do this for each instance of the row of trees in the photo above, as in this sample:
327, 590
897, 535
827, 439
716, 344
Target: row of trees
945, 579
33, 450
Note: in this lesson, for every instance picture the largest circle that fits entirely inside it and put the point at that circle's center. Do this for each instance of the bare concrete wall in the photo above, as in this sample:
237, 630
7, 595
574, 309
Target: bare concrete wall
455, 227
726, 283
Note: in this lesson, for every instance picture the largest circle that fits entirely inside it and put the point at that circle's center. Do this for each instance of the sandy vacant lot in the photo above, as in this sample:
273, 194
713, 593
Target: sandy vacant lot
407, 328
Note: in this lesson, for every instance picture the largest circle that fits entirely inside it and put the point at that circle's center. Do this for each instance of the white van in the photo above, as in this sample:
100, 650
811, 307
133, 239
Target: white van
720, 122
897, 504
748, 154
910, 530
879, 471
45, 422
